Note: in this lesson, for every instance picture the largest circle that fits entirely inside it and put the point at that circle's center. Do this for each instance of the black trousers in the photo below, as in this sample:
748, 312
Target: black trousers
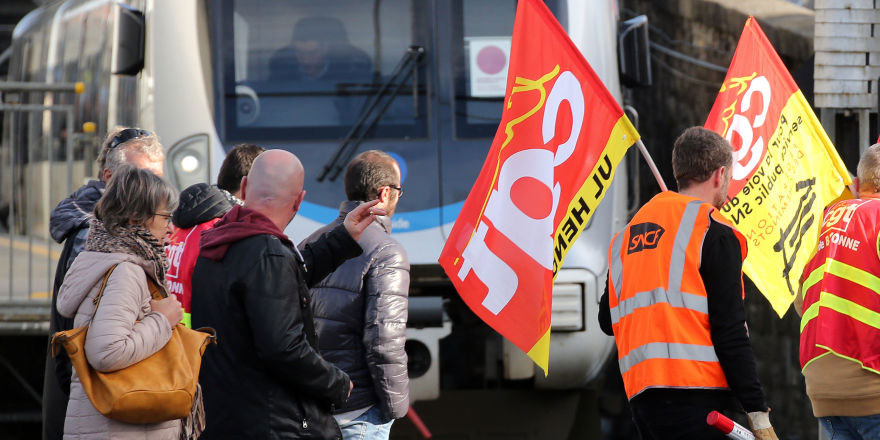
670, 419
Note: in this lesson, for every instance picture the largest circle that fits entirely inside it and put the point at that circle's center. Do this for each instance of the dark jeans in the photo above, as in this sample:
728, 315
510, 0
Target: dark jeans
671, 419
851, 428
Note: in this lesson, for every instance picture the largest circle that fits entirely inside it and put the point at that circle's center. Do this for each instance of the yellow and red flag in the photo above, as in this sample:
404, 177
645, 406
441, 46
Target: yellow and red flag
557, 148
785, 169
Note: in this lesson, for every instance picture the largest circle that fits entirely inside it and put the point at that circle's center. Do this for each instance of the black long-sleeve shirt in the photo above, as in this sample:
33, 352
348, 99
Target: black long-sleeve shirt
721, 271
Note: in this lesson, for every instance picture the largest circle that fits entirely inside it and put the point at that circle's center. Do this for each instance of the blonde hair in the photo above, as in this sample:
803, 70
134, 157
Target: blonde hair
869, 168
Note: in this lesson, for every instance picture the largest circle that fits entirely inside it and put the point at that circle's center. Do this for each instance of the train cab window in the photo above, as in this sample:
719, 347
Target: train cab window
308, 70
481, 36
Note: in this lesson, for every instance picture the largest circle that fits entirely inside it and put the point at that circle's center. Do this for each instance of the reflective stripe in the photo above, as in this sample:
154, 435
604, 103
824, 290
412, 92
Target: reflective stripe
616, 264
814, 277
679, 250
847, 307
844, 306
645, 299
664, 350
852, 273
809, 314
673, 296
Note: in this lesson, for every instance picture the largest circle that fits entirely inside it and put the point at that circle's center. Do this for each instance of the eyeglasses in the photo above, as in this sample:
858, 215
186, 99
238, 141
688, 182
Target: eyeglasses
399, 190
166, 216
127, 135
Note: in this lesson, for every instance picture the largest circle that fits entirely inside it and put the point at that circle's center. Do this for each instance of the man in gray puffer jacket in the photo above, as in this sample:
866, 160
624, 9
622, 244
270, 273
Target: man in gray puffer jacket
360, 310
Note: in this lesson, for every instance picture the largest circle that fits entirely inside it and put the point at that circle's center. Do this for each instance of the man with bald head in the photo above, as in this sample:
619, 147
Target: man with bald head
265, 378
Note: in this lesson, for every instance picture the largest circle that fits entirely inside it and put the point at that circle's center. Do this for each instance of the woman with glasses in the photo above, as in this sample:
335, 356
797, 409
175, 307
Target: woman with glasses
131, 226
69, 224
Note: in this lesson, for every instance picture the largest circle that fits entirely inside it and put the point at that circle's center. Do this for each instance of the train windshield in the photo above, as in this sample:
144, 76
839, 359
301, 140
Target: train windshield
422, 80
312, 70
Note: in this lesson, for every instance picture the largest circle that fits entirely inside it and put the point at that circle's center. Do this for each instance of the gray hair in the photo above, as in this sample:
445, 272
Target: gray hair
111, 159
869, 168
133, 195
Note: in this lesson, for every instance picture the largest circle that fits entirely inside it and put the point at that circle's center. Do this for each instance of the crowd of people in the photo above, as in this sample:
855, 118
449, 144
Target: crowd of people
221, 259
311, 336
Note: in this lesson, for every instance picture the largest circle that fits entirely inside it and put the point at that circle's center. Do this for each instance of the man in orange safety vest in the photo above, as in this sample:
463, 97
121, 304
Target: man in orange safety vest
674, 303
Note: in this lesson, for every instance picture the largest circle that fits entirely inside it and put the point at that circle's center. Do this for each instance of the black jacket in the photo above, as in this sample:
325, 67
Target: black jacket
264, 379
360, 315
721, 271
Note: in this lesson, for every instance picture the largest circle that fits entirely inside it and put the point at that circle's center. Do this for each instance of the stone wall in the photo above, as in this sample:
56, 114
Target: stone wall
682, 95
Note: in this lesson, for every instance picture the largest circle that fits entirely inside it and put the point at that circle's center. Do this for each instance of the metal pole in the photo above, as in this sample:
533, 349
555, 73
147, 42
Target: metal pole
651, 165
18, 86
864, 130
69, 142
28, 210
35, 107
12, 147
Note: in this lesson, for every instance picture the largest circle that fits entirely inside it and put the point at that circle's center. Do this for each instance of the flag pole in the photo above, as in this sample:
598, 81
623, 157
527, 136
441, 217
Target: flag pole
651, 165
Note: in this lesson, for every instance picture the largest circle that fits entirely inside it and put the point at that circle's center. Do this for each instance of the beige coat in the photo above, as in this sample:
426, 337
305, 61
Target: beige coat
123, 332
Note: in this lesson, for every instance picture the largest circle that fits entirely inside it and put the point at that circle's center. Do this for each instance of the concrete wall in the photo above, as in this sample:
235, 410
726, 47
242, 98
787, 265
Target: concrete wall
682, 95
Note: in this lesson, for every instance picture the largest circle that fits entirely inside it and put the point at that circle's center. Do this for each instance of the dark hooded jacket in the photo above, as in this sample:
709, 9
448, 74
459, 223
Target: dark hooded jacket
265, 379
68, 224
360, 314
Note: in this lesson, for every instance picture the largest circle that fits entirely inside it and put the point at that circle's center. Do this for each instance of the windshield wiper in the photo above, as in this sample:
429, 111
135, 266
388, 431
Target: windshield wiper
375, 106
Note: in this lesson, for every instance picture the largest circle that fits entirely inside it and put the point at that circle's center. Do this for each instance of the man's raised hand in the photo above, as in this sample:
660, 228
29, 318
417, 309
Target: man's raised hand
359, 218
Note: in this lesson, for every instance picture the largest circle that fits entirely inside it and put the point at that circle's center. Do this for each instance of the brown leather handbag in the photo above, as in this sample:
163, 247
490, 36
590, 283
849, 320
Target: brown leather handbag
159, 388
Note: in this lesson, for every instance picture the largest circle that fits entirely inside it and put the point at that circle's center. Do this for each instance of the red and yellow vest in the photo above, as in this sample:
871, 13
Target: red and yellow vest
182, 253
658, 302
841, 287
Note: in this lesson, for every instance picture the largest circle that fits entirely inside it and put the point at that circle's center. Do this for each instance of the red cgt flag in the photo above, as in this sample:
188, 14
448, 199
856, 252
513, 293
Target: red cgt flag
561, 137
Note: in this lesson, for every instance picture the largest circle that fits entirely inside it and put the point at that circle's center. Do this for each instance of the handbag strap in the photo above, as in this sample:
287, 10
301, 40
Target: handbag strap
156, 292
100, 294
58, 338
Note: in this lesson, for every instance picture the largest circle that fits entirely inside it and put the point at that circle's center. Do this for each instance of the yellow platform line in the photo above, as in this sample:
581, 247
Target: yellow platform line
38, 249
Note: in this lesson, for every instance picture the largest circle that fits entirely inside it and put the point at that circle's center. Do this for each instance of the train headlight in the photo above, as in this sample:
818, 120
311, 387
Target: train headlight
188, 161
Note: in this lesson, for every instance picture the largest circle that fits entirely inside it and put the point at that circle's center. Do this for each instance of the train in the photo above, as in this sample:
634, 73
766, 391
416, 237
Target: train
423, 80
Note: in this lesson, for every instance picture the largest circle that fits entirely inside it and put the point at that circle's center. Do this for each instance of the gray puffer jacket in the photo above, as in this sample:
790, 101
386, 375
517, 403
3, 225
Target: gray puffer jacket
360, 313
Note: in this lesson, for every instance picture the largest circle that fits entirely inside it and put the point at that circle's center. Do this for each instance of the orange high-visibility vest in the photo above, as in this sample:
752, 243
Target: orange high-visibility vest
658, 302
841, 285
